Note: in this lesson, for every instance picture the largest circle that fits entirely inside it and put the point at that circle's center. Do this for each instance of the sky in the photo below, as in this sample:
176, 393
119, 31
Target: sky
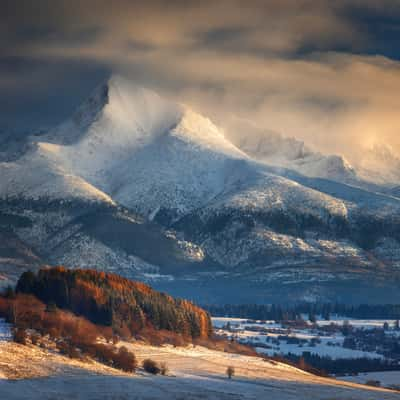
323, 71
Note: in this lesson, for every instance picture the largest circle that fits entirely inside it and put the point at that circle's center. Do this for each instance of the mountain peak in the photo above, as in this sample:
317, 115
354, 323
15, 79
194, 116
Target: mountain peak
120, 82
119, 110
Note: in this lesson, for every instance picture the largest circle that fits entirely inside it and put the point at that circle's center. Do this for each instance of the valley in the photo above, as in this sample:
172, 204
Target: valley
88, 334
342, 347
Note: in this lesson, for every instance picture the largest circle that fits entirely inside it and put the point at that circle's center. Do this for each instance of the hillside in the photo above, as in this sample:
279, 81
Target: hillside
109, 300
195, 373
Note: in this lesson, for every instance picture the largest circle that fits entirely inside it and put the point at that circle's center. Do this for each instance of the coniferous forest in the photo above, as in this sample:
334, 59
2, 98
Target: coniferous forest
110, 300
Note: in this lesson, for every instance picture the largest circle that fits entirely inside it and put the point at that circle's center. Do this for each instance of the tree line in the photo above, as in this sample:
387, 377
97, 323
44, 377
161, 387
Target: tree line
340, 366
279, 312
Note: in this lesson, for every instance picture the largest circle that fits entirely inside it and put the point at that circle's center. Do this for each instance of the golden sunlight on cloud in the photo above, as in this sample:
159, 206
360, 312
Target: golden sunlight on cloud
229, 57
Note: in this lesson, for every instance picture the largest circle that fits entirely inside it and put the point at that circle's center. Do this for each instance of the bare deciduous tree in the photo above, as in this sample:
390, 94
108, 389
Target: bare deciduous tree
230, 371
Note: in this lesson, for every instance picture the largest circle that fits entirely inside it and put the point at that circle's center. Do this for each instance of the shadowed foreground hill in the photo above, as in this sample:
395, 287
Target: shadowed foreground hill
111, 300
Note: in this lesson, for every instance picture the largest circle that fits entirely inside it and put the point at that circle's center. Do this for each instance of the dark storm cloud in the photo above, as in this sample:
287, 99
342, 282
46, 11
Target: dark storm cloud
321, 70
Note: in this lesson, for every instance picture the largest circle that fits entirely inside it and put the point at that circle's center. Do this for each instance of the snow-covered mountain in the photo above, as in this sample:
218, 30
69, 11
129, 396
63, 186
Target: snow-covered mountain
139, 184
128, 144
275, 149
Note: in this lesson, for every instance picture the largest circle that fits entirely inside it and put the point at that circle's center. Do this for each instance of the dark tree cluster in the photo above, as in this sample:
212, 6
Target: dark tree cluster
294, 312
360, 311
341, 366
264, 312
107, 299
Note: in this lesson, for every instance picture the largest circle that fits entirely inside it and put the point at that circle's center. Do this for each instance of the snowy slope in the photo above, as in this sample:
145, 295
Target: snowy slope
195, 373
37, 174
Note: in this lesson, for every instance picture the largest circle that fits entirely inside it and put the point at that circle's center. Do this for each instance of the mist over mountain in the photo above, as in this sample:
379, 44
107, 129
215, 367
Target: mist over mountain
138, 184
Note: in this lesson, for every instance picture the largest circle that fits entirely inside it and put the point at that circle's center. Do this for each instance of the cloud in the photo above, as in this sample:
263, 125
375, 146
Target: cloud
273, 25
314, 70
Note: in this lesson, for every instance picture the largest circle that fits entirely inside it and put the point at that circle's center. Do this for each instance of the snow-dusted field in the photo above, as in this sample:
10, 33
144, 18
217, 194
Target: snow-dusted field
357, 323
324, 345
194, 373
339, 320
